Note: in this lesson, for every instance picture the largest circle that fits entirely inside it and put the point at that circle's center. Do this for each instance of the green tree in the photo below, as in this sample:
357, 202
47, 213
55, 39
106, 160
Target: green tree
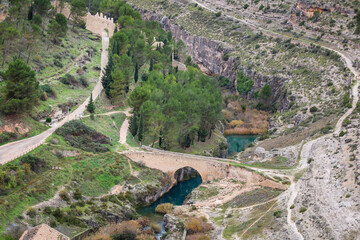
136, 74
138, 97
8, 35
106, 80
244, 84
21, 91
357, 20
62, 21
42, 6
54, 32
151, 64
141, 128
78, 12
37, 20
91, 106
133, 124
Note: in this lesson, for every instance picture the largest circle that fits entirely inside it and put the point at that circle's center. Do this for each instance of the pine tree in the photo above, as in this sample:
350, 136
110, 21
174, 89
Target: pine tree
141, 128
133, 124
91, 107
151, 64
136, 75
21, 88
107, 78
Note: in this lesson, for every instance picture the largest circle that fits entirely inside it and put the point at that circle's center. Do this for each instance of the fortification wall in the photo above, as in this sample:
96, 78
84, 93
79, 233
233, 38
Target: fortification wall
94, 23
98, 22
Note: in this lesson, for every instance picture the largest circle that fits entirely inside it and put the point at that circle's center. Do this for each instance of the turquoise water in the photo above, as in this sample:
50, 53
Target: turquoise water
237, 143
176, 196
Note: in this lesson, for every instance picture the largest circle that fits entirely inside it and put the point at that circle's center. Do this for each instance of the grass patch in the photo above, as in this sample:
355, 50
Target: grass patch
255, 196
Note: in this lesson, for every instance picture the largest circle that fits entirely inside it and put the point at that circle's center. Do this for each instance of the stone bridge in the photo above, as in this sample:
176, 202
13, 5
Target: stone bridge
209, 168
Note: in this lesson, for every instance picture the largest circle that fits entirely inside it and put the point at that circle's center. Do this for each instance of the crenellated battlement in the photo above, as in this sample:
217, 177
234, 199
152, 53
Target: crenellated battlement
98, 22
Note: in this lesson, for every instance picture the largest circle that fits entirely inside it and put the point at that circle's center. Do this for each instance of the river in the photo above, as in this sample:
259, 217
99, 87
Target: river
176, 196
237, 143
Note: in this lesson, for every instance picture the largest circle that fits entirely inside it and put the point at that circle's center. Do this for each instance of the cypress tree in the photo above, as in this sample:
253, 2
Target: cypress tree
151, 64
31, 13
136, 75
107, 78
133, 124
171, 57
141, 128
91, 107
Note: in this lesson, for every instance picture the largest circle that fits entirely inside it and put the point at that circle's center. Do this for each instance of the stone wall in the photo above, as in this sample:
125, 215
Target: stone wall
94, 23
98, 22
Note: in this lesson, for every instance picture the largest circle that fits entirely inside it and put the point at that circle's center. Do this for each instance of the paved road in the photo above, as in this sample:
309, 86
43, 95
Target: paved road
16, 149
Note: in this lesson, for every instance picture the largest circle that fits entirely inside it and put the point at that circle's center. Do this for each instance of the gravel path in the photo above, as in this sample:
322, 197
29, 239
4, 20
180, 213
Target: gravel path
11, 151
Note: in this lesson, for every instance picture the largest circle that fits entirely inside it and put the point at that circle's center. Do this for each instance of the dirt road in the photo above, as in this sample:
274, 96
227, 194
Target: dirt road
16, 149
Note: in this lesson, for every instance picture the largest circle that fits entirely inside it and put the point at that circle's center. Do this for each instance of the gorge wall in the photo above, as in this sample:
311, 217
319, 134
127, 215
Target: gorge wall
208, 54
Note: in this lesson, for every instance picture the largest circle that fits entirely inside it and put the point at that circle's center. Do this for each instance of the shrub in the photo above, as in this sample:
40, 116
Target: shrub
313, 109
143, 221
48, 119
31, 212
194, 225
58, 63
226, 57
246, 6
155, 227
302, 209
47, 210
164, 208
7, 136
292, 206
197, 225
35, 163
81, 136
84, 81
77, 194
342, 133
218, 14
48, 90
64, 195
277, 214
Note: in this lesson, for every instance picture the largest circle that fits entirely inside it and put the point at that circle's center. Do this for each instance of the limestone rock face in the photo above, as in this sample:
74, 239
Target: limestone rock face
208, 54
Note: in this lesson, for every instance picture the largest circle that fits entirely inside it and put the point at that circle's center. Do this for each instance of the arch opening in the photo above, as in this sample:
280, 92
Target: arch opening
186, 173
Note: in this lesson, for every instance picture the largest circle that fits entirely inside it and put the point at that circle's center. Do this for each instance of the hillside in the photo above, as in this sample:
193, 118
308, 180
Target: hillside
180, 119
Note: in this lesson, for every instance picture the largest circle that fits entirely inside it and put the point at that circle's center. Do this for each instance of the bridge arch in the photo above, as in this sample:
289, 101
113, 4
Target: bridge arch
186, 173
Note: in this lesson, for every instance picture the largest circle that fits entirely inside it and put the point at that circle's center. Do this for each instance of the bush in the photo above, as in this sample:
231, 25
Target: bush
313, 109
226, 57
246, 6
58, 63
197, 225
48, 90
48, 119
64, 195
164, 208
7, 136
31, 212
84, 82
81, 136
47, 210
77, 195
155, 227
302, 209
218, 14
35, 163
277, 214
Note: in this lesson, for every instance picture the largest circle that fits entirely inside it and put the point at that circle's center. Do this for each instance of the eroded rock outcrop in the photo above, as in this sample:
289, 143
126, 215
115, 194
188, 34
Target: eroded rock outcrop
209, 55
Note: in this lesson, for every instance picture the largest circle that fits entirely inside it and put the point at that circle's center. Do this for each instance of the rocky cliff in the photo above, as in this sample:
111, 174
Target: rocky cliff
209, 55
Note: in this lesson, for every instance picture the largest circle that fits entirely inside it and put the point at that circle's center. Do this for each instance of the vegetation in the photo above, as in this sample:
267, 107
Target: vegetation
171, 107
164, 208
78, 135
21, 91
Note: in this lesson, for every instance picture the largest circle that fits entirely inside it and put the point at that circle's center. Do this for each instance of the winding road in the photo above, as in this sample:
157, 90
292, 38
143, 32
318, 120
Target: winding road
13, 150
